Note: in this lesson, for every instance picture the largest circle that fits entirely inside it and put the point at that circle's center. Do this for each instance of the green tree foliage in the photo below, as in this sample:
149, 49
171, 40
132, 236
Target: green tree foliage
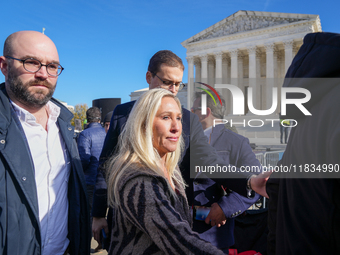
79, 113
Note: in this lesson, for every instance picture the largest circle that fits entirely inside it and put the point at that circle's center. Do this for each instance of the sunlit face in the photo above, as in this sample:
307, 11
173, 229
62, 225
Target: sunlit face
166, 73
35, 92
167, 126
31, 89
106, 126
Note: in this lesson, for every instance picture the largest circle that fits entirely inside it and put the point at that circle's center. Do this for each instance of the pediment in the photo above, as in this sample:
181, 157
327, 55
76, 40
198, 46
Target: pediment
244, 21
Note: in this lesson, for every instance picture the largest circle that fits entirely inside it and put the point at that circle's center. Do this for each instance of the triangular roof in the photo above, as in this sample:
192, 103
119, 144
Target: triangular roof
244, 21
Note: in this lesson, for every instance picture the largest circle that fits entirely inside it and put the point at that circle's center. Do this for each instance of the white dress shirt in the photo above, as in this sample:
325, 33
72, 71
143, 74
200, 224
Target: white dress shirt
52, 171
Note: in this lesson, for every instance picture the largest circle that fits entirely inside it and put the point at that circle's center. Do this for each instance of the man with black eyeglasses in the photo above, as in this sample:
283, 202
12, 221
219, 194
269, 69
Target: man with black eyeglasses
165, 71
43, 205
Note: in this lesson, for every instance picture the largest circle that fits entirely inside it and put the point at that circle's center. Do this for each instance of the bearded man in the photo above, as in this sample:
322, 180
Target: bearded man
43, 205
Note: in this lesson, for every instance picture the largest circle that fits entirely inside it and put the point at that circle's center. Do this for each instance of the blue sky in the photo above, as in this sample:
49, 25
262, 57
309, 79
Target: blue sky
105, 45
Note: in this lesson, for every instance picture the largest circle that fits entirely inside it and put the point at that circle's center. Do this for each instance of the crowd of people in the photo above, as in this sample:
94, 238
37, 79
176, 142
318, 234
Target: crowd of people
131, 182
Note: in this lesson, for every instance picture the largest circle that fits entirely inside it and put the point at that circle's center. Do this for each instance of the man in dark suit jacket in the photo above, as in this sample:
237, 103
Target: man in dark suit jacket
223, 206
166, 71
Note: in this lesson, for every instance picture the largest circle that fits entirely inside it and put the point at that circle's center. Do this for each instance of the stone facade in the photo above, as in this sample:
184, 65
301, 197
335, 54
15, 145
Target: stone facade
247, 49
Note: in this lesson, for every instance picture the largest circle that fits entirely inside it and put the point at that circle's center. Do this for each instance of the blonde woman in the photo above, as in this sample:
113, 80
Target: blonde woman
145, 185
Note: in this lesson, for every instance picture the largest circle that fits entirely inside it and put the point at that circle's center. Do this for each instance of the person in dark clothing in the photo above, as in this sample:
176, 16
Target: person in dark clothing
166, 71
304, 213
90, 144
43, 200
235, 149
107, 120
284, 130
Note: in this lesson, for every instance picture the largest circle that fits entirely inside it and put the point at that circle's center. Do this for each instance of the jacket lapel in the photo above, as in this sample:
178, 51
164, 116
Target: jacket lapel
17, 155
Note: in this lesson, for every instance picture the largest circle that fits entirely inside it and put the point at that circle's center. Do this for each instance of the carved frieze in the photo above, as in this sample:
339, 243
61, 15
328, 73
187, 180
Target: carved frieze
245, 23
237, 40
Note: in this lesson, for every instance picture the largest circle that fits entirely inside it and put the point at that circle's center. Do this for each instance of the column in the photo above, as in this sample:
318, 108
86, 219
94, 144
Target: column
234, 65
190, 87
197, 63
280, 71
240, 81
279, 74
204, 68
211, 71
252, 61
258, 65
252, 75
276, 56
240, 68
269, 60
225, 70
233, 74
260, 101
218, 68
288, 53
226, 80
270, 70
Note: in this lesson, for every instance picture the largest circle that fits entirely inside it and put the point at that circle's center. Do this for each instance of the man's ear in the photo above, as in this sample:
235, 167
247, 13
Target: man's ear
3, 66
148, 77
208, 112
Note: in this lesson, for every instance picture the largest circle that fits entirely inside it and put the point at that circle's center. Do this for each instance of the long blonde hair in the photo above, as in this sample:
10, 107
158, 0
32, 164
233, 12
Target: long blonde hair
135, 145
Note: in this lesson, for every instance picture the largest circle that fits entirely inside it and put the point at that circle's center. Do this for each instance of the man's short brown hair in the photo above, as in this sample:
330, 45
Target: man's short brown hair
93, 114
166, 57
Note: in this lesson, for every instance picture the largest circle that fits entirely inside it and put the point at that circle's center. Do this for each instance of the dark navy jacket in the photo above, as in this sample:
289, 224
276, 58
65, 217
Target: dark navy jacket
90, 144
235, 149
197, 151
19, 213
307, 210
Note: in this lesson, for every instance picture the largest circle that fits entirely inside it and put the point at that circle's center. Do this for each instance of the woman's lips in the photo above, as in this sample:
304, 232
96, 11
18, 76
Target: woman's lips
173, 138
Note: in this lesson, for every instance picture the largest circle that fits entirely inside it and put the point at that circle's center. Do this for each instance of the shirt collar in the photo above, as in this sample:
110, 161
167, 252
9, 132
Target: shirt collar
52, 109
208, 131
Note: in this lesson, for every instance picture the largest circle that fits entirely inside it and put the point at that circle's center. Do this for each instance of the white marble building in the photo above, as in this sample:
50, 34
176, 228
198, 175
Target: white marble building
245, 49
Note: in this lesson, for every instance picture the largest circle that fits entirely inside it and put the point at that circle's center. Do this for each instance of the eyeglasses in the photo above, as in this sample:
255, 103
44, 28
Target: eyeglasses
179, 85
33, 65
193, 109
